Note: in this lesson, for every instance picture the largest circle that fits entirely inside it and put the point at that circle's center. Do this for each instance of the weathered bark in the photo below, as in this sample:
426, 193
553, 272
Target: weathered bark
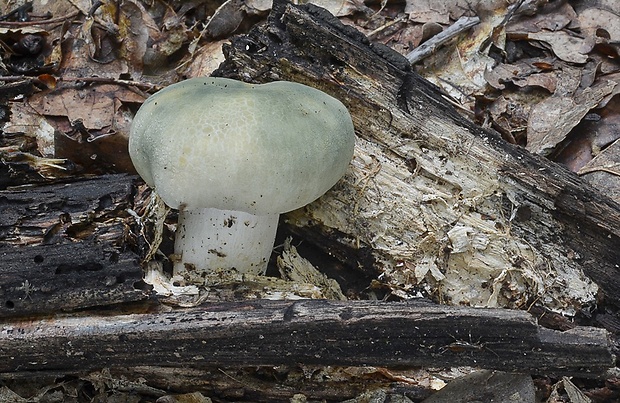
63, 247
311, 332
434, 201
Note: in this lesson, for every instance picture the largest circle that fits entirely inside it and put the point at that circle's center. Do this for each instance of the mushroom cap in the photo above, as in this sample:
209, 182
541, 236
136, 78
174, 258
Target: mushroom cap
225, 144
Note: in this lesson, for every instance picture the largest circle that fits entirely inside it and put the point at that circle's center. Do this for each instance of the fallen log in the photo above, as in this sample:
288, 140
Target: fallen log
63, 250
433, 201
361, 333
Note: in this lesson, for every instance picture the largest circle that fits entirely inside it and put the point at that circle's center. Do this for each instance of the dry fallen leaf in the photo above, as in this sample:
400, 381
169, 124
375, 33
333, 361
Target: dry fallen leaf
552, 119
24, 119
226, 19
549, 18
206, 59
96, 117
523, 73
340, 8
428, 11
460, 69
593, 20
564, 45
603, 171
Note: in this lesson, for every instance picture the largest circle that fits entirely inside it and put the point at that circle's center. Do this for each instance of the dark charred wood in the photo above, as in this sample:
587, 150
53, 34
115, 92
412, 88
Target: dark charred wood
310, 332
63, 247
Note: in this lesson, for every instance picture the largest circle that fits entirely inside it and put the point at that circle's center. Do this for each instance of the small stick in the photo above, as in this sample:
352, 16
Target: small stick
430, 46
17, 24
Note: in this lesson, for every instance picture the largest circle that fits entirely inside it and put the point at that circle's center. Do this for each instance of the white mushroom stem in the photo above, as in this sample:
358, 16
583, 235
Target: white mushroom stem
210, 238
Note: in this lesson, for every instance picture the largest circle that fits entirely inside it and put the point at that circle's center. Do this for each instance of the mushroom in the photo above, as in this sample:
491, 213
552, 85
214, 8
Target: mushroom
232, 157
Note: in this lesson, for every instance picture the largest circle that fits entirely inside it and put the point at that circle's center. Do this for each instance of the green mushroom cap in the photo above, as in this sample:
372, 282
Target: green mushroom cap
225, 144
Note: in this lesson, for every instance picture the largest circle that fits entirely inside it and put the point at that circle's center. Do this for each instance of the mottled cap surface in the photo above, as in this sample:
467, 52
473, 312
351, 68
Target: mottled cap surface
221, 143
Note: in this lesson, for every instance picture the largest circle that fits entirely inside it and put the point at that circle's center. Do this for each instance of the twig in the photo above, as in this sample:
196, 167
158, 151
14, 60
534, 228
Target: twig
101, 80
375, 32
106, 80
608, 169
430, 46
17, 24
